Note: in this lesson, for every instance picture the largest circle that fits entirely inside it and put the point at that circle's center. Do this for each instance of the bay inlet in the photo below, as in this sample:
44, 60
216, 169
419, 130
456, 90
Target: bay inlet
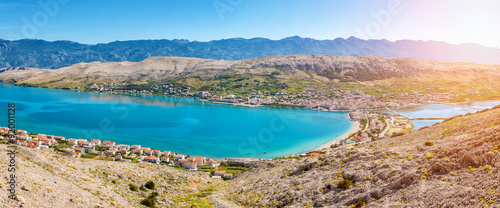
182, 125
441, 111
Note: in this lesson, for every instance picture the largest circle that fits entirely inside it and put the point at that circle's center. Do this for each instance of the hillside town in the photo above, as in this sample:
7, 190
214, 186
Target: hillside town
323, 99
83, 148
373, 126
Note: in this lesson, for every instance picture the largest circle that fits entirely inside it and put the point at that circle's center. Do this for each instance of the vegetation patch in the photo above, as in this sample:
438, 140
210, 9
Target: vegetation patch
150, 185
150, 201
429, 144
132, 187
345, 184
90, 155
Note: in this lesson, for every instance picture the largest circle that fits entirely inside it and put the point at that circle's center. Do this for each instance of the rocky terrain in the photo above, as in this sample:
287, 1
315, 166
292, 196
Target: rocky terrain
371, 74
331, 67
451, 164
58, 54
46, 179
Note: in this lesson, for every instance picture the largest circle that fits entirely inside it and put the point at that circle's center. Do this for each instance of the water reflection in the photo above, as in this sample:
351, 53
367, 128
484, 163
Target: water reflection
145, 100
483, 105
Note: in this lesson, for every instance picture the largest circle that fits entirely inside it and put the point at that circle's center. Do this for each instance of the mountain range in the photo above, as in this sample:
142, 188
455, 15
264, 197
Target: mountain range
57, 54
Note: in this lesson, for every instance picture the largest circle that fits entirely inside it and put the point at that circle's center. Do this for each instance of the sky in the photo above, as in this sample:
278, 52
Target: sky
98, 21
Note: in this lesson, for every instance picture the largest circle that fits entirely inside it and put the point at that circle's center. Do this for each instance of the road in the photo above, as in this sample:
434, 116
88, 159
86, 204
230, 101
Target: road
387, 127
410, 118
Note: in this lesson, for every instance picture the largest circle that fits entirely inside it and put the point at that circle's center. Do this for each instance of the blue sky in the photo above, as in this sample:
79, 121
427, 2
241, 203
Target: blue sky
102, 21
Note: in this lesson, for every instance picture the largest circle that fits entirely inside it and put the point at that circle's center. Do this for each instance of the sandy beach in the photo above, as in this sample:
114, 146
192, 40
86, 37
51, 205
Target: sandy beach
354, 129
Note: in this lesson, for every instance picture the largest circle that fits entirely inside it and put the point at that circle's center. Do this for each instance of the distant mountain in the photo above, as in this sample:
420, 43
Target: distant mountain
57, 54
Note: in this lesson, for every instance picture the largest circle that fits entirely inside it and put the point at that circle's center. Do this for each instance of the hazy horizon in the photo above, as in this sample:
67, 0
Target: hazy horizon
93, 22
345, 38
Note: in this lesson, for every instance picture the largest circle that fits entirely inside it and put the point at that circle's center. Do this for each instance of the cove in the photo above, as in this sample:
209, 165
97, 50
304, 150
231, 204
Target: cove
182, 125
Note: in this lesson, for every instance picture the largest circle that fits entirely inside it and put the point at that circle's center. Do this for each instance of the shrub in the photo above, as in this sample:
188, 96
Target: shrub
429, 144
99, 148
153, 195
150, 185
142, 188
345, 184
89, 155
132, 187
360, 204
231, 168
149, 202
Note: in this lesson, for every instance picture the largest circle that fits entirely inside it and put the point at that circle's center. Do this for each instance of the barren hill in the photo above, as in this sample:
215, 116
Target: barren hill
452, 164
372, 74
357, 67
46, 179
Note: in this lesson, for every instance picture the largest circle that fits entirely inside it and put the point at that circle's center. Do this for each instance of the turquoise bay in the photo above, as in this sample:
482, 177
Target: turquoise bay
182, 125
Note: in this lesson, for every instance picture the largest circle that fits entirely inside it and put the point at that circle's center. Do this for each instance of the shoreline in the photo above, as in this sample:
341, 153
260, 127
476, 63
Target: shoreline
192, 97
355, 128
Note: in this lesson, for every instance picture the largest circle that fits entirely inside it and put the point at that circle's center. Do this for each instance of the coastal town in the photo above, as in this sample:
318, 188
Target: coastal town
109, 150
323, 99
359, 105
367, 127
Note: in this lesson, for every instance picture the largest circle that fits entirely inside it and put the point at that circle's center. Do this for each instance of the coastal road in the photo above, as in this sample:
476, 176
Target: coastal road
387, 127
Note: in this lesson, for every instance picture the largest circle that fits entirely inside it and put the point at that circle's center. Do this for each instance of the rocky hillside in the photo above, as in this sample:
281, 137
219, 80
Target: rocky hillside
46, 179
58, 54
372, 74
452, 164
361, 68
